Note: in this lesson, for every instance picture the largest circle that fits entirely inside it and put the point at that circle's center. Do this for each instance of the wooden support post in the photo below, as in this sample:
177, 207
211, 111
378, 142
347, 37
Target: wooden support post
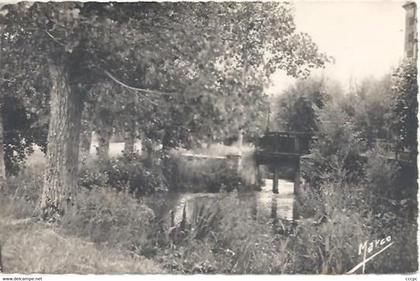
184, 217
297, 179
276, 179
172, 214
254, 206
273, 214
258, 177
296, 186
1, 262
297, 146
240, 138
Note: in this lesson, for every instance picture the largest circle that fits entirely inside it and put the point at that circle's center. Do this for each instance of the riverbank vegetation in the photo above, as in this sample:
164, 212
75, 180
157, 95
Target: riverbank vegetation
71, 69
223, 236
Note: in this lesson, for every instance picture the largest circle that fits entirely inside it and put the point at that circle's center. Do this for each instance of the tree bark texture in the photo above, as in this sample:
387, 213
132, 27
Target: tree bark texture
240, 138
2, 164
85, 135
60, 179
130, 138
147, 150
104, 130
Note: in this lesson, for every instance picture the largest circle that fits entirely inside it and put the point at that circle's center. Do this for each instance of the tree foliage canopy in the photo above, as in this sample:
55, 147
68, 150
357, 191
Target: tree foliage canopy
296, 108
185, 69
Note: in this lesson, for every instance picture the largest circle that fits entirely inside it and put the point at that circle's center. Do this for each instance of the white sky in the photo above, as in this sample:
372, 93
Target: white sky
366, 38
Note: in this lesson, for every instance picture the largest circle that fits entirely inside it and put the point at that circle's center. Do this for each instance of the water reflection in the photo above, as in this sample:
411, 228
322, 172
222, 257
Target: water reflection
262, 205
278, 206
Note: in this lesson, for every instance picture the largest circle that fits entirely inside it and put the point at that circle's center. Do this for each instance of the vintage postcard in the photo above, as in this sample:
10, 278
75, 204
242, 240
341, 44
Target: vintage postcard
208, 138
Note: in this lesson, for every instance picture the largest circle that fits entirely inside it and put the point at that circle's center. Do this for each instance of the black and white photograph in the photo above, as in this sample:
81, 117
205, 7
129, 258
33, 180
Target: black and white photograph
180, 138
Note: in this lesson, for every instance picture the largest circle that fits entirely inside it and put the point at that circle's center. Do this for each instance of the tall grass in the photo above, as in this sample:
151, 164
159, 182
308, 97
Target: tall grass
112, 232
39, 249
223, 237
98, 237
329, 244
349, 214
111, 218
21, 199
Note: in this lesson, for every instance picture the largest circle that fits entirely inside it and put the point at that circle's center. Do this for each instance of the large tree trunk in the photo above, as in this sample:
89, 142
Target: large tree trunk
104, 137
85, 135
2, 164
60, 180
147, 150
240, 138
144, 151
130, 138
85, 142
104, 130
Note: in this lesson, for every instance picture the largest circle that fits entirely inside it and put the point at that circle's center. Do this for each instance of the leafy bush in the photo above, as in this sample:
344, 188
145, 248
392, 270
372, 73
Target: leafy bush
139, 177
114, 221
394, 213
347, 216
126, 172
197, 175
22, 129
356, 199
329, 244
380, 176
402, 256
335, 153
23, 194
92, 175
110, 217
308, 201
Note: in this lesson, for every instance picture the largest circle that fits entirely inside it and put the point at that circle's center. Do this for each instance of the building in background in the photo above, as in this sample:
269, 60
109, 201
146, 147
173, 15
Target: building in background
410, 44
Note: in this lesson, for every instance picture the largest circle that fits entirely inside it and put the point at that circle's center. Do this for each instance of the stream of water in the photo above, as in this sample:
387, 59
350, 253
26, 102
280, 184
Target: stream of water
264, 204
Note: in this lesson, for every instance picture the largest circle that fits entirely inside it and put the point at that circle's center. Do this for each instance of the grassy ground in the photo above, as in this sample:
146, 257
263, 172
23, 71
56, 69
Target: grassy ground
29, 245
112, 232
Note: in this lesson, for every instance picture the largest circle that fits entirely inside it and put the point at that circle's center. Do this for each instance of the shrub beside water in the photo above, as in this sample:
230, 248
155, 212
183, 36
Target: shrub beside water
23, 194
175, 173
222, 237
123, 173
108, 217
99, 236
329, 243
198, 175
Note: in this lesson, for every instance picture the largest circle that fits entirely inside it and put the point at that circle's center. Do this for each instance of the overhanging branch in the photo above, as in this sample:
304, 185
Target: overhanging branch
54, 39
147, 91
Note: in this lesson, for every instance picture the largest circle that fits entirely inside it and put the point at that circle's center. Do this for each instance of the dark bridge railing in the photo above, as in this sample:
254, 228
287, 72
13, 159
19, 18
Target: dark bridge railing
392, 151
285, 142
280, 146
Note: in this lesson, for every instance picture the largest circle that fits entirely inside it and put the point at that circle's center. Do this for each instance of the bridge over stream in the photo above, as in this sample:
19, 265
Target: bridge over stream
279, 150
284, 150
